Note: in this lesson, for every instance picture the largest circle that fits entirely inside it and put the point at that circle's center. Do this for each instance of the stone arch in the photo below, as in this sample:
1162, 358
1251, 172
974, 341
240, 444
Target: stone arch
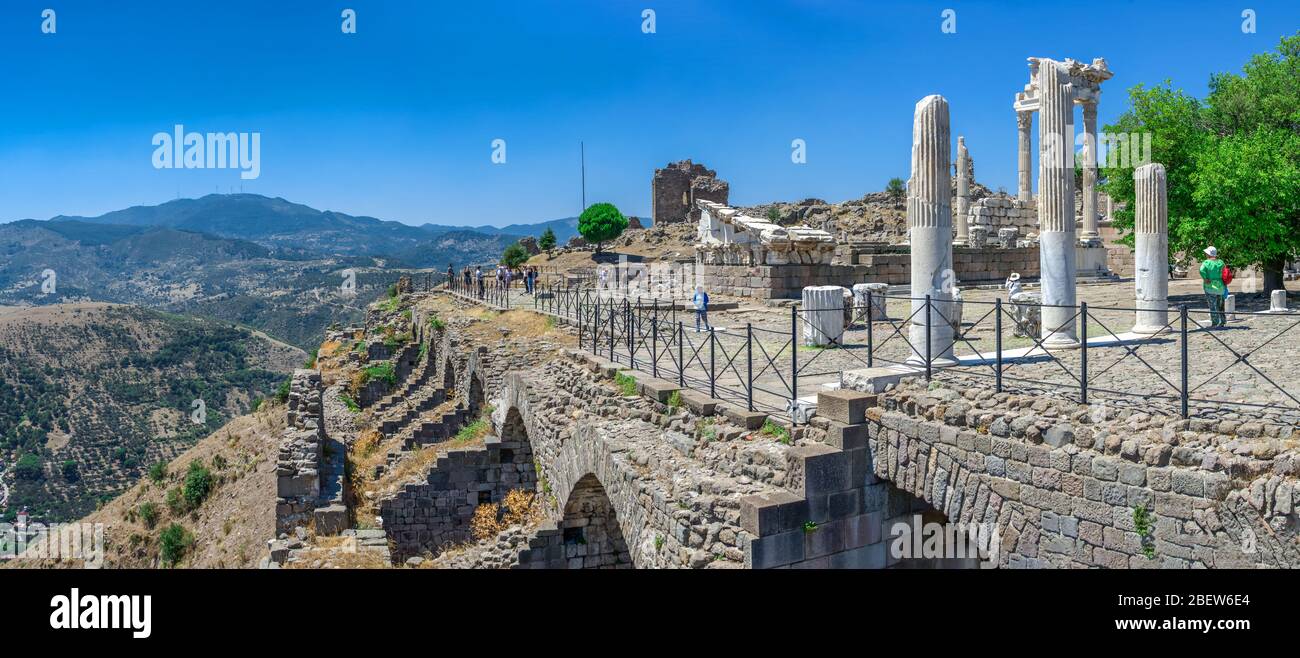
474, 385
447, 364
590, 531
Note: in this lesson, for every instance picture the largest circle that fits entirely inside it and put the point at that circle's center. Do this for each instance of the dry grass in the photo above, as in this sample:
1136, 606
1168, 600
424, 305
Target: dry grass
520, 507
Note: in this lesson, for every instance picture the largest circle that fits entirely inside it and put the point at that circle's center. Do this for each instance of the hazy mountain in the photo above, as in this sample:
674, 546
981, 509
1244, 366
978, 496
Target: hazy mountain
293, 228
564, 229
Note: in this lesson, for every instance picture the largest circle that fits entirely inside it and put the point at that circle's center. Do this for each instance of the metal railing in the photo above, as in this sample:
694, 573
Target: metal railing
767, 367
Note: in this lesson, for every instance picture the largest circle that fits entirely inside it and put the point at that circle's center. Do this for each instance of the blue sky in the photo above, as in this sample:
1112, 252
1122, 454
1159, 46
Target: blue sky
397, 120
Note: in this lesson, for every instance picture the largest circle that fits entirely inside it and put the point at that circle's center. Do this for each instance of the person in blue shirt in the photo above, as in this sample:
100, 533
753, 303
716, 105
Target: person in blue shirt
701, 301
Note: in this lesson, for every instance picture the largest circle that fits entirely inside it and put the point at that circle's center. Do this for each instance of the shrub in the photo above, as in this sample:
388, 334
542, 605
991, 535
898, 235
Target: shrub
674, 401
175, 541
514, 255
626, 383
772, 429
282, 393
436, 323
484, 524
148, 514
158, 472
352, 404
382, 371
29, 468
70, 471
601, 222
175, 502
198, 484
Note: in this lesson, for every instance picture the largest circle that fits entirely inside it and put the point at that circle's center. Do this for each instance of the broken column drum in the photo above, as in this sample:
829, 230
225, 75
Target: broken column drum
1151, 242
929, 220
823, 315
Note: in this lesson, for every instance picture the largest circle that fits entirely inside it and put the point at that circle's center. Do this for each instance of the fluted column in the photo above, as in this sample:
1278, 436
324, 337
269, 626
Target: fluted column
1056, 239
1025, 120
963, 194
1089, 233
929, 218
1151, 242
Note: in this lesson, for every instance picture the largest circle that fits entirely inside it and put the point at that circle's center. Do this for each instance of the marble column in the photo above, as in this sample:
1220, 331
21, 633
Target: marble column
1025, 120
823, 315
1056, 239
1090, 234
1151, 242
963, 194
929, 219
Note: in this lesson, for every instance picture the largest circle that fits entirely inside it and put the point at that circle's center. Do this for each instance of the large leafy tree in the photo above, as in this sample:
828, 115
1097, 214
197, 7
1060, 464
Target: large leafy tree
1231, 162
601, 222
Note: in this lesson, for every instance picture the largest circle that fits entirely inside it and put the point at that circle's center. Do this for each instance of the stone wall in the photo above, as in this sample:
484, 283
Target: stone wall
298, 465
973, 266
675, 189
1062, 481
423, 518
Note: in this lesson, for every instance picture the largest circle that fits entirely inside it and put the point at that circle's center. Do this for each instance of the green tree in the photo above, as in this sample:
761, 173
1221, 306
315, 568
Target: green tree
896, 189
158, 472
175, 540
70, 471
514, 255
198, 483
148, 514
547, 241
1230, 161
29, 467
601, 222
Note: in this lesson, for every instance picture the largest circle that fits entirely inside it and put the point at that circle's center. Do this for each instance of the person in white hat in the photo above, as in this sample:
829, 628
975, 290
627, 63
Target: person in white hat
1212, 283
1013, 285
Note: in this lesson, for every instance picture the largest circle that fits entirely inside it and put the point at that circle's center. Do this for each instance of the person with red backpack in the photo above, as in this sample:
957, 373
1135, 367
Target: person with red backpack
1215, 277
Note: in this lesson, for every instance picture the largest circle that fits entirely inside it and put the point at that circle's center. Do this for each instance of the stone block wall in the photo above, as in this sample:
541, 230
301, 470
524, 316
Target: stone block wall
973, 266
1063, 491
299, 462
425, 517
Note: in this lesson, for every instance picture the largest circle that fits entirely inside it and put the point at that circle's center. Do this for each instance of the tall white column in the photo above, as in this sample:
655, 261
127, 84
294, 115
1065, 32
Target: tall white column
1024, 121
963, 194
1056, 239
1090, 233
1151, 236
929, 218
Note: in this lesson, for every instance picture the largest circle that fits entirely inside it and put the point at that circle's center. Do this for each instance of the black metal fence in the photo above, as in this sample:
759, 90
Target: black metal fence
770, 365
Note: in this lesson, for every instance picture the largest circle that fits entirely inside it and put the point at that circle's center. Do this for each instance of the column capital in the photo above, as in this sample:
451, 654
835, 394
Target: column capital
1024, 119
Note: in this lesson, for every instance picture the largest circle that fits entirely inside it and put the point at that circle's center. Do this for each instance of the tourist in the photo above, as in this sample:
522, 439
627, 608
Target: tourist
1013, 286
451, 275
1212, 275
478, 275
701, 301
507, 275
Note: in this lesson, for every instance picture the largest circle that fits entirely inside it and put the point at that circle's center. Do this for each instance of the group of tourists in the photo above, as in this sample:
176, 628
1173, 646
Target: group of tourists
475, 280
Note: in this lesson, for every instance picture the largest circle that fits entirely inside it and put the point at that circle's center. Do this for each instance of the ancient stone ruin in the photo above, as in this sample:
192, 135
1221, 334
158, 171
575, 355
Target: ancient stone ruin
676, 188
728, 237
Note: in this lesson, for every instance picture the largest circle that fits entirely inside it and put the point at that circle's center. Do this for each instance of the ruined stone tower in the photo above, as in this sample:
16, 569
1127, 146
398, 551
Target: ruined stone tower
676, 187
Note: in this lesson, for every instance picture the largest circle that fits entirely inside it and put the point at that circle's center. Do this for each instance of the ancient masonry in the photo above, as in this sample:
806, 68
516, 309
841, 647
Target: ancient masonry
676, 188
309, 468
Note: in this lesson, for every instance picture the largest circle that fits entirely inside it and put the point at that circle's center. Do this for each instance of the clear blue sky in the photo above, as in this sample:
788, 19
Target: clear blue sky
397, 120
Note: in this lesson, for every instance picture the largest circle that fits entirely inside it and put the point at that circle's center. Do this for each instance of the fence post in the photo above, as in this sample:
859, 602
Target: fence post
997, 343
794, 361
654, 342
580, 328
871, 342
681, 365
1083, 352
749, 366
611, 331
1182, 317
928, 318
713, 374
